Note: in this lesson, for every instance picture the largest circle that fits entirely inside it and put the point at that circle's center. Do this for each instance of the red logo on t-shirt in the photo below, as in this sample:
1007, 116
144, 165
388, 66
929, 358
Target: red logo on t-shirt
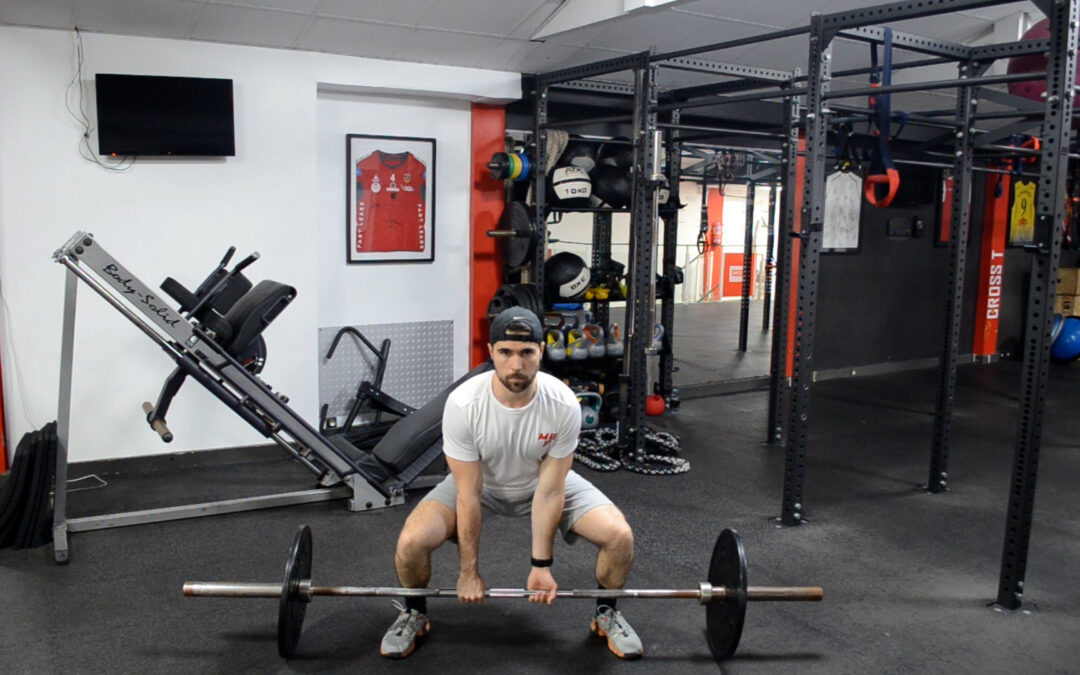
548, 439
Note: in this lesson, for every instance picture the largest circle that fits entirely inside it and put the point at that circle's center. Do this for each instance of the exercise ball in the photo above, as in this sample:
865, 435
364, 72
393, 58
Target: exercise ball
1067, 345
1034, 89
566, 277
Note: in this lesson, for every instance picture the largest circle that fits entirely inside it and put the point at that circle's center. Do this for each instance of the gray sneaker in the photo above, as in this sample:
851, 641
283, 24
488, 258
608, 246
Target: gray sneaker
400, 640
621, 638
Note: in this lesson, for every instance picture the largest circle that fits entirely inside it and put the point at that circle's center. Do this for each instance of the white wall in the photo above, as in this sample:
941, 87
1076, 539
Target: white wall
280, 195
414, 291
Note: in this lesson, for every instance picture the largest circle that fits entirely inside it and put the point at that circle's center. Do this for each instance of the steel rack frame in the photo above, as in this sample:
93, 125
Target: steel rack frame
770, 262
779, 381
638, 332
972, 63
799, 236
673, 162
1050, 208
649, 105
748, 265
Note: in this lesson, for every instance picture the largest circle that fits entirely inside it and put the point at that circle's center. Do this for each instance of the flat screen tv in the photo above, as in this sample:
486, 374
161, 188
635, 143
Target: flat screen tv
155, 115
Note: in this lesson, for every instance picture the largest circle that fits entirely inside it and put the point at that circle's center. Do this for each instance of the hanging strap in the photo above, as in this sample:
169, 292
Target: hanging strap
883, 180
1018, 160
703, 228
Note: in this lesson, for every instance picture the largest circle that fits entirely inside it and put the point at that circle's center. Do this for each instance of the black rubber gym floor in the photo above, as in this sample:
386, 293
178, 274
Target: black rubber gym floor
907, 575
707, 343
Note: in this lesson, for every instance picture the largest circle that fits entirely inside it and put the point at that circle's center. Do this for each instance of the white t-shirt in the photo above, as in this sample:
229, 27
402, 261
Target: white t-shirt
510, 443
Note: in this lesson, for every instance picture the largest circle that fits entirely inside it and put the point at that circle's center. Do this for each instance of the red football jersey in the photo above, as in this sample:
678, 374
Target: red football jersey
390, 208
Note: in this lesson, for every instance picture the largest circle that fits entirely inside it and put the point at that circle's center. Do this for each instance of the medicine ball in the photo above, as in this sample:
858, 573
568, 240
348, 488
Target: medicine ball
580, 154
566, 277
570, 186
612, 187
616, 153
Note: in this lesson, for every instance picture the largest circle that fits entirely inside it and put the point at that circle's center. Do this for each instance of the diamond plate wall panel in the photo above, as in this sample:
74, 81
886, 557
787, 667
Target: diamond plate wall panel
420, 364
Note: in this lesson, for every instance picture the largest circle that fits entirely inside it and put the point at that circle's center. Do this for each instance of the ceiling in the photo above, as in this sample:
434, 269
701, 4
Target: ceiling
492, 34
530, 36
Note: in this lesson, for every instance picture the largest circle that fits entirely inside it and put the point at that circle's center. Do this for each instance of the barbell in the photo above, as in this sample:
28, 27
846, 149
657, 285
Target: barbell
724, 595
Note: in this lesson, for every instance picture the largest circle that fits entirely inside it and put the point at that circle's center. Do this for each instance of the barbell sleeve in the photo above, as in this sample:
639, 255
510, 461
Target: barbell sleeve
156, 423
508, 234
705, 593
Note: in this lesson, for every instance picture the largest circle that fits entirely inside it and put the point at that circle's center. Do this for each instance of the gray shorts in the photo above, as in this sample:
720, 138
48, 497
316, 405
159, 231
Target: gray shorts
581, 497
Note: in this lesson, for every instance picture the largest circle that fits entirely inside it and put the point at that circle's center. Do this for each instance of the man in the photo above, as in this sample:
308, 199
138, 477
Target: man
509, 438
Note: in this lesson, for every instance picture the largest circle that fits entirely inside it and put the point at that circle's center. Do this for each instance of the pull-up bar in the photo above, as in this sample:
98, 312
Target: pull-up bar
936, 84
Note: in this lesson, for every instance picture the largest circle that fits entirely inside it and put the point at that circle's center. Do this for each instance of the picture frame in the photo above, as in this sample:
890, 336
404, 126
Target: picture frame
389, 199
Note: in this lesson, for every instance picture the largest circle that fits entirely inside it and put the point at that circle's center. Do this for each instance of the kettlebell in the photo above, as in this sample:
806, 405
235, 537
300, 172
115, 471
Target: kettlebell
590, 409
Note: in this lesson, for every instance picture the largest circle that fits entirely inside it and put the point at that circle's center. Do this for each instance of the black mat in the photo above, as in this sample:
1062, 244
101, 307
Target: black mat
907, 575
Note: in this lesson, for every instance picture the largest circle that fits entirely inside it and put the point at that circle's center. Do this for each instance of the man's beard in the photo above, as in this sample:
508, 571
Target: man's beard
517, 382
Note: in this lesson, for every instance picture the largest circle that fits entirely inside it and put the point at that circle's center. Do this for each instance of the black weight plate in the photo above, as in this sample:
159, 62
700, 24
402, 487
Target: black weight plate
520, 294
538, 300
504, 298
292, 607
516, 251
529, 297
724, 619
525, 297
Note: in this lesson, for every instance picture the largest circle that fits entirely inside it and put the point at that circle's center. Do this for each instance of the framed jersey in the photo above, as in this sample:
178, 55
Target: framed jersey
390, 199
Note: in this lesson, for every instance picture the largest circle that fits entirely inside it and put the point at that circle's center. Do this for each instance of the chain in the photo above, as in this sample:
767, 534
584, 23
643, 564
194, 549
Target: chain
596, 450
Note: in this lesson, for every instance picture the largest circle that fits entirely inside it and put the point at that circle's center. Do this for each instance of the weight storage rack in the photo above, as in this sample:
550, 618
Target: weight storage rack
654, 118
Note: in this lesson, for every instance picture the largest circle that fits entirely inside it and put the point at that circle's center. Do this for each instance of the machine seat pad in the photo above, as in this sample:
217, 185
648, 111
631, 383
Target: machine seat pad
253, 312
411, 436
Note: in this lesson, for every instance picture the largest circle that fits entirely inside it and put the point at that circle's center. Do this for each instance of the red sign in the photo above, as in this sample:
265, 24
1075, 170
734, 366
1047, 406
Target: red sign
992, 265
733, 275
946, 210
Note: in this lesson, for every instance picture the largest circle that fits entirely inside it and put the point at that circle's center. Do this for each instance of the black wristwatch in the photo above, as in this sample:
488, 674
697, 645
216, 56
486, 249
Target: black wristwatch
541, 562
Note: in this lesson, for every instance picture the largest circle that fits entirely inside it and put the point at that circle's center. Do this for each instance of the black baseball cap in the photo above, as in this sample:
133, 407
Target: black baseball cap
517, 324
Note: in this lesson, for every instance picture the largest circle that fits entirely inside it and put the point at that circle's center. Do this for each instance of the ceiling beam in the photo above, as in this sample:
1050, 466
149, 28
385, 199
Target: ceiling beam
574, 14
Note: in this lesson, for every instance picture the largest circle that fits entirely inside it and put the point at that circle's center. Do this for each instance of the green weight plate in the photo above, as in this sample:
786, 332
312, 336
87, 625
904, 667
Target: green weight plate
292, 607
724, 619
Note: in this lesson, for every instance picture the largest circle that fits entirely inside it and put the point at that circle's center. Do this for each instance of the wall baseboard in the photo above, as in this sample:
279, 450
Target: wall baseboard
761, 382
182, 460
